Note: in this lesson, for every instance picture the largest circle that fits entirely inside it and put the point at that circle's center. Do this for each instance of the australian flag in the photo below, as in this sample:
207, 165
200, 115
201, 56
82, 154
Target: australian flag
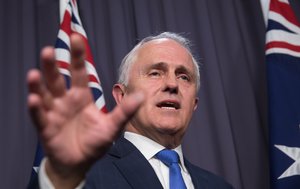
283, 65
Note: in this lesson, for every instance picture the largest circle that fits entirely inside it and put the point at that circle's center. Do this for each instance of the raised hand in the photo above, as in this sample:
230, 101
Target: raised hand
72, 130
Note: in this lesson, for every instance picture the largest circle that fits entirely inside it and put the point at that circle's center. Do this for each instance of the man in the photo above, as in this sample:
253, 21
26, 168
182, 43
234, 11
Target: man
156, 96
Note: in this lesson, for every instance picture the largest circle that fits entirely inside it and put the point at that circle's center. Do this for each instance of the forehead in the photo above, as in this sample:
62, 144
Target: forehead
164, 50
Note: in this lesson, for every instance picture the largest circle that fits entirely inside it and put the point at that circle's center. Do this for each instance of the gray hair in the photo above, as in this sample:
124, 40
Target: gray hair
129, 59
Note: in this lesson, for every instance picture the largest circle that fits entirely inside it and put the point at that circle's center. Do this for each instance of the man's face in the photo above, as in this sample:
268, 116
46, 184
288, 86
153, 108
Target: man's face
164, 71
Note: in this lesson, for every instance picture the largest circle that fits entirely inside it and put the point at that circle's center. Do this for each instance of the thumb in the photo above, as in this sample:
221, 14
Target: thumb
123, 112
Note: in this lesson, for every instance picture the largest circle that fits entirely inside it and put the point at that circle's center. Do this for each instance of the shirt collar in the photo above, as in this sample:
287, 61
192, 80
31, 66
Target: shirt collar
149, 147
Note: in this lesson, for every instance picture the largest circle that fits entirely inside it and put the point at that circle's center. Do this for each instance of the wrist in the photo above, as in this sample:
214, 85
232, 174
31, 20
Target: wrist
64, 177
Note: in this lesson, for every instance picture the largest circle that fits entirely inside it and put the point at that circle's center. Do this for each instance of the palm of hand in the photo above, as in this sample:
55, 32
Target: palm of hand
75, 128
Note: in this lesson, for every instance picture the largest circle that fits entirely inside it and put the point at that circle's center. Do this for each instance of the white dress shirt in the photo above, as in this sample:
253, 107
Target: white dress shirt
148, 148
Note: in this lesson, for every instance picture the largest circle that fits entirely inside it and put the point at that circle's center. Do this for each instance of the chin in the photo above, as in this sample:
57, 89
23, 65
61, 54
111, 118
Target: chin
168, 128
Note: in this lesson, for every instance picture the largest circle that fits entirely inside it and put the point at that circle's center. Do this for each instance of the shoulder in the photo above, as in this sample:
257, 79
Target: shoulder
106, 165
203, 178
106, 172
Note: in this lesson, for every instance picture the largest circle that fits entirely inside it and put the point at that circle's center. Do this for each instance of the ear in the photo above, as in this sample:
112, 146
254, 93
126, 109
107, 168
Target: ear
196, 103
118, 92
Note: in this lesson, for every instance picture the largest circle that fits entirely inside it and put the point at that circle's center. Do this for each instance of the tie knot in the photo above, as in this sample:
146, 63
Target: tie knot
168, 156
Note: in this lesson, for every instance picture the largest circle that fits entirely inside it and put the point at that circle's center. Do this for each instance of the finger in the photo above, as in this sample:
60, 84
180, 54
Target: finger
54, 80
124, 111
36, 86
36, 111
78, 71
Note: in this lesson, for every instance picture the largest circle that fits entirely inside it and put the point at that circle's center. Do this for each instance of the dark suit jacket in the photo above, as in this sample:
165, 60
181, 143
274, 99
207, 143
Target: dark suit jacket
125, 167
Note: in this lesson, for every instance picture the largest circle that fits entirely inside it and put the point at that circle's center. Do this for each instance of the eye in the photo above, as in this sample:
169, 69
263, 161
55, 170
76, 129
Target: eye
154, 73
184, 77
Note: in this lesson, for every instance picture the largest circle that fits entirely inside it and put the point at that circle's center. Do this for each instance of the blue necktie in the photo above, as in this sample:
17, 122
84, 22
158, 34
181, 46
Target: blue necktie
171, 159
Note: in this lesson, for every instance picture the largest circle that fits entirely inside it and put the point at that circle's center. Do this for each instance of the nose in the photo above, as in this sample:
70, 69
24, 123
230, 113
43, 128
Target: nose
171, 84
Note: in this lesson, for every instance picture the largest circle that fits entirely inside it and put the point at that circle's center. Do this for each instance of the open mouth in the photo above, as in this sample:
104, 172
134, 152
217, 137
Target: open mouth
169, 105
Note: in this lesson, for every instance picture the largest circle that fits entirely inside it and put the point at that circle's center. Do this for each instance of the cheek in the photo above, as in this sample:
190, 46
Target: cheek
147, 86
190, 105
144, 113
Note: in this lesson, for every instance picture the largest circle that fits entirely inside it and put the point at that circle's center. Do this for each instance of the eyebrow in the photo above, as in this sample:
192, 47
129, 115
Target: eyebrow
159, 65
164, 66
183, 69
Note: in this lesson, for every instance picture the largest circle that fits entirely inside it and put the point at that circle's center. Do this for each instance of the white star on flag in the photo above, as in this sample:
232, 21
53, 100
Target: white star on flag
294, 153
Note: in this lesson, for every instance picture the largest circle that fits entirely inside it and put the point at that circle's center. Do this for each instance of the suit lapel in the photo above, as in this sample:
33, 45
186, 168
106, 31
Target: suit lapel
199, 181
133, 166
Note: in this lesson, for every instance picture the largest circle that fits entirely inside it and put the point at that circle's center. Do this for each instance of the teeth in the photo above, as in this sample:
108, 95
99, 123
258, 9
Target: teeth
168, 105
169, 108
